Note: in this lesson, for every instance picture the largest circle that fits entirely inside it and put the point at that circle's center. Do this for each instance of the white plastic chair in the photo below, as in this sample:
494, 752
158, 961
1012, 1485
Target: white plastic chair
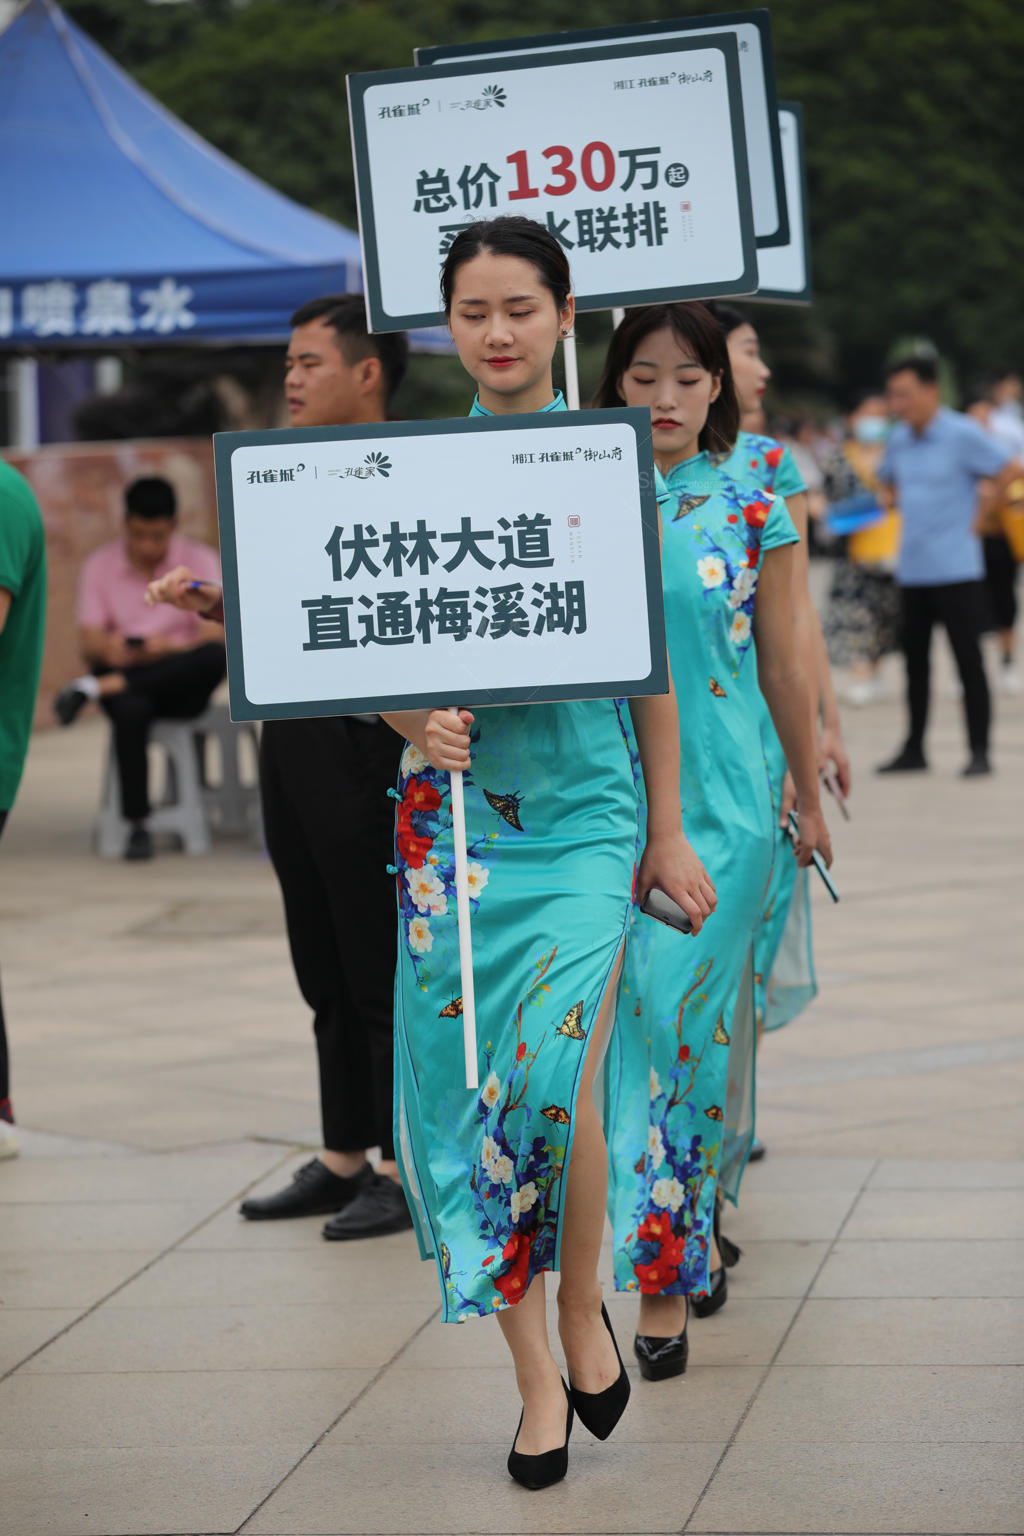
189, 800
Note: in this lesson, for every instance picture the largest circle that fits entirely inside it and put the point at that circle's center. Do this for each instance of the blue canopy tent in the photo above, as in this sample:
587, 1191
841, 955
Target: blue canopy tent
122, 227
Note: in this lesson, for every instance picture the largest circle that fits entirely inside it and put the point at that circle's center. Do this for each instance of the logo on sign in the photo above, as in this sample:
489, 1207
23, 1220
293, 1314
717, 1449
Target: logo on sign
373, 464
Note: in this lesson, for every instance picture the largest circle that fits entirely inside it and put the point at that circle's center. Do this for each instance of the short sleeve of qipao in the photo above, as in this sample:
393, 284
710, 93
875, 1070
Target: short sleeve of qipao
779, 528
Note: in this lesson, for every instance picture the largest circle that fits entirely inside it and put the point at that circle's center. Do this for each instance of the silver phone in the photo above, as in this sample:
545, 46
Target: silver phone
664, 910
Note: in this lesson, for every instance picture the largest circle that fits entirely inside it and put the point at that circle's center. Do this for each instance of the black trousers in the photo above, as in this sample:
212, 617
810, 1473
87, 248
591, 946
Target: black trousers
959, 606
329, 826
174, 688
5, 1067
1001, 580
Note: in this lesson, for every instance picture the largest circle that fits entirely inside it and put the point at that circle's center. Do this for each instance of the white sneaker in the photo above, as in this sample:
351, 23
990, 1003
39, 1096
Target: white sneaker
8, 1139
1010, 680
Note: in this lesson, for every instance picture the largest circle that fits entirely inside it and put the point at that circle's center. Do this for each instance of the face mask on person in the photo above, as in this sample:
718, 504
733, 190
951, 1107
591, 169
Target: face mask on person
871, 429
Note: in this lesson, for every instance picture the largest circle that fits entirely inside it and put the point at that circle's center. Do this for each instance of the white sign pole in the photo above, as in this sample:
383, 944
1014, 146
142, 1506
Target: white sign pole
572, 372
465, 928
618, 315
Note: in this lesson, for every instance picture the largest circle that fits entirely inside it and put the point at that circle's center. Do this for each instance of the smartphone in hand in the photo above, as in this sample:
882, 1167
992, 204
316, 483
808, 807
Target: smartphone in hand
664, 910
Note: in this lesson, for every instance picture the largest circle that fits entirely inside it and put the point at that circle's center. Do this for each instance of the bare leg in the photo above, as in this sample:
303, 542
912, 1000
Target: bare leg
525, 1327
589, 1351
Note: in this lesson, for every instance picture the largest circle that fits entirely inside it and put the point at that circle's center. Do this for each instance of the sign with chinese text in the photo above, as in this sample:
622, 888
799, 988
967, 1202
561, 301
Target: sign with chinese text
647, 190
57, 310
786, 270
752, 30
488, 561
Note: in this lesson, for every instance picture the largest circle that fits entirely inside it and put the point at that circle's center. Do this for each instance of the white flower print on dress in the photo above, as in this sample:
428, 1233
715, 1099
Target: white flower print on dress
501, 1170
477, 878
655, 1146
523, 1199
655, 1084
413, 761
491, 1091
711, 570
426, 890
489, 1150
420, 937
739, 629
668, 1192
743, 587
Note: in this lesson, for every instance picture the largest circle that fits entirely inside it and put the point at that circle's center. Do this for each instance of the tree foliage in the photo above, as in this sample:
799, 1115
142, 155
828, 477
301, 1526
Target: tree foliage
913, 116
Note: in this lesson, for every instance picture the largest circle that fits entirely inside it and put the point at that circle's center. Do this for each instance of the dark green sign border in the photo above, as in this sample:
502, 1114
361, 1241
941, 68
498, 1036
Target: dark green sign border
242, 707
806, 295
358, 85
698, 24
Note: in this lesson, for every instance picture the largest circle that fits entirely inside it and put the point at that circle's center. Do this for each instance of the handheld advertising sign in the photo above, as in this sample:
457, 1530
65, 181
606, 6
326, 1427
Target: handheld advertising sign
753, 34
633, 155
786, 270
493, 560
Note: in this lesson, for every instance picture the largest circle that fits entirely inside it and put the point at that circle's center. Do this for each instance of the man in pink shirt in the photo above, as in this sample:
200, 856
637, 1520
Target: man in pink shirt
144, 663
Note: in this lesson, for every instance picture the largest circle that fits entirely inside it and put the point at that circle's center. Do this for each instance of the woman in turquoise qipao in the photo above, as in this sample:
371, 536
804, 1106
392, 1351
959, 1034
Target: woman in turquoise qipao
510, 1181
727, 569
784, 977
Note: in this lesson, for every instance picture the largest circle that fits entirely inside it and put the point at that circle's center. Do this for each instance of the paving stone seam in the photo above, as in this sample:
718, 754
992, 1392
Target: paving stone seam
198, 1227
381, 1372
688, 1525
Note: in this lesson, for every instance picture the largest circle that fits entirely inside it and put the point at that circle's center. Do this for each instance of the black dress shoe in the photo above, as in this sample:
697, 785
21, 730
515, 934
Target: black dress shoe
601, 1411
757, 1152
379, 1208
139, 845
660, 1359
313, 1191
718, 1295
550, 1466
68, 702
910, 760
978, 766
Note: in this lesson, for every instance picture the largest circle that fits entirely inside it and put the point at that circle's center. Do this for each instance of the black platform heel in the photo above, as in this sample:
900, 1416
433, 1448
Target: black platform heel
661, 1358
718, 1290
601, 1411
549, 1467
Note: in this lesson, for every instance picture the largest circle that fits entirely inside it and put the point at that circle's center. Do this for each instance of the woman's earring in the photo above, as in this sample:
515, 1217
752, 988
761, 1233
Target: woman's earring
564, 331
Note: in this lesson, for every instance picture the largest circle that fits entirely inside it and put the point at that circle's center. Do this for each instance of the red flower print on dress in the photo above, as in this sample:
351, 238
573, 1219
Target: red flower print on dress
655, 1278
512, 1284
756, 514
419, 796
773, 458
655, 1228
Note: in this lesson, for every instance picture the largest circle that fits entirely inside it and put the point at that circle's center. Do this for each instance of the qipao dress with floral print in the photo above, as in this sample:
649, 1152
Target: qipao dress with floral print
784, 964
552, 817
784, 978
667, 1067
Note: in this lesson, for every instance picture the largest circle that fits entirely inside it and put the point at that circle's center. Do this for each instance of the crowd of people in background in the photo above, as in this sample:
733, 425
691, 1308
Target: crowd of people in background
920, 508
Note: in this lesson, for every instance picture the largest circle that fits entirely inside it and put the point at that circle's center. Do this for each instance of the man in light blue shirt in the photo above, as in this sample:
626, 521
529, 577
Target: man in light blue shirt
934, 460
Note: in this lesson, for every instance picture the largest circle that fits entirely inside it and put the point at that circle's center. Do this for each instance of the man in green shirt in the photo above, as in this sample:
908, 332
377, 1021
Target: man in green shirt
22, 623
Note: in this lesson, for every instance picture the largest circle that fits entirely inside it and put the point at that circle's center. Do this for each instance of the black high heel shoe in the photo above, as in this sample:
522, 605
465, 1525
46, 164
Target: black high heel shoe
601, 1411
718, 1290
661, 1358
550, 1466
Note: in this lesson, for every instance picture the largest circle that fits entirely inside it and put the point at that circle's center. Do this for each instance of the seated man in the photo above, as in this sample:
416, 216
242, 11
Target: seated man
145, 663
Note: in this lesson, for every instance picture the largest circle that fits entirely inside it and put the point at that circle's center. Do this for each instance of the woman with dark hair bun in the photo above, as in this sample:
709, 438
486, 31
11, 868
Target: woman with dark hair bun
510, 1182
727, 565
